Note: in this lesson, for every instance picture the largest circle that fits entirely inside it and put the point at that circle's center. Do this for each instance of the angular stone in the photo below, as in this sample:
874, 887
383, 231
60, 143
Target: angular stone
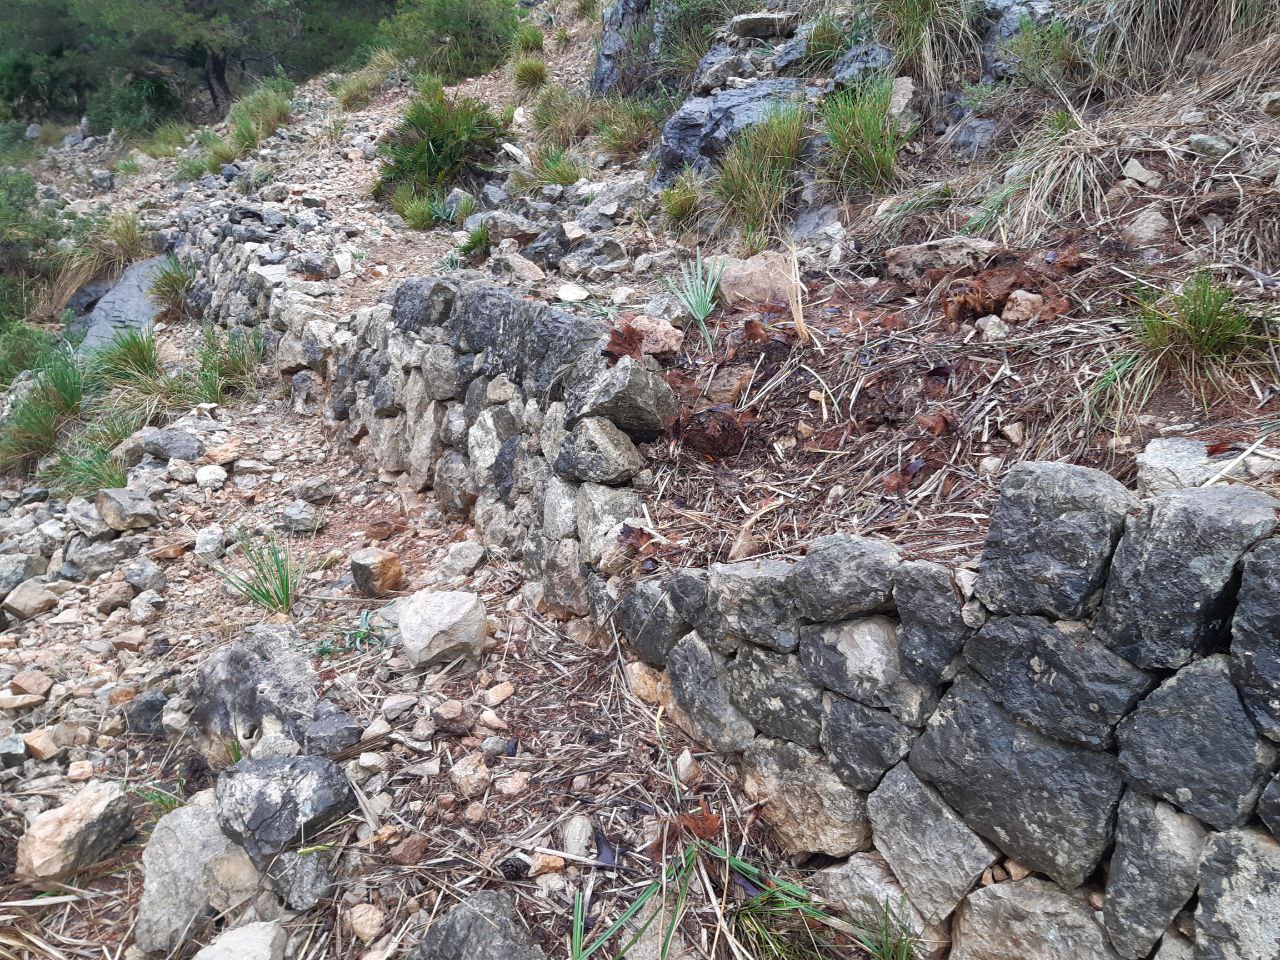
935, 857
810, 808
170, 443
15, 568
1048, 804
63, 841
862, 743
950, 253
754, 602
763, 25
842, 577
1238, 916
1192, 743
597, 451
189, 867
1028, 920
649, 621
1255, 638
1169, 593
859, 659
1269, 806
1174, 946
634, 397
1051, 537
1057, 677
1153, 872
29, 599
600, 510
564, 586
485, 926
331, 731
126, 509
269, 805
559, 508
376, 572
263, 940
698, 687
773, 693
143, 573
452, 483
933, 630
302, 517
302, 880
440, 626
864, 888
1172, 463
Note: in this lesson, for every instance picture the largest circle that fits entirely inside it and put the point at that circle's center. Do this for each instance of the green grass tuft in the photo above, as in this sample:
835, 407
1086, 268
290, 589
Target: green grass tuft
440, 140
862, 139
758, 172
530, 75
269, 576
171, 285
696, 290
527, 39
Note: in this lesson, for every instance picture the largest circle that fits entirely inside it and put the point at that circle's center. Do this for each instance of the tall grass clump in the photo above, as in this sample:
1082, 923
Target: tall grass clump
441, 140
757, 175
1048, 56
226, 364
102, 247
682, 201
166, 140
454, 38
863, 140
357, 89
555, 165
933, 40
530, 75
171, 285
688, 27
39, 415
1202, 323
269, 575
563, 116
527, 39
420, 211
828, 39
628, 126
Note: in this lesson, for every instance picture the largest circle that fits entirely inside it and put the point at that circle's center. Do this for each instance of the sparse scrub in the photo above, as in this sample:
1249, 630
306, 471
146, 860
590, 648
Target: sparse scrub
477, 242
127, 167
420, 211
171, 285
563, 116
863, 140
227, 364
1047, 55
687, 30
454, 38
103, 249
165, 140
440, 140
251, 119
931, 39
530, 75
828, 39
628, 126
682, 201
269, 576
556, 165
1202, 324
357, 89
757, 174
39, 415
85, 471
562, 37
587, 9
527, 39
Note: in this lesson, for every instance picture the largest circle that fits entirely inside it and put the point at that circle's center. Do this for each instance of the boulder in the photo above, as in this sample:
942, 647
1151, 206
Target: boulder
485, 926
63, 841
1028, 920
1191, 742
768, 277
865, 888
841, 577
859, 659
124, 509
763, 25
1255, 638
698, 687
597, 451
810, 809
1169, 594
126, 306
439, 626
910, 263
264, 940
934, 855
754, 603
170, 443
1050, 805
269, 805
1051, 537
302, 517
932, 629
634, 397
649, 621
189, 867
1057, 677
1238, 914
862, 743
773, 693
1153, 872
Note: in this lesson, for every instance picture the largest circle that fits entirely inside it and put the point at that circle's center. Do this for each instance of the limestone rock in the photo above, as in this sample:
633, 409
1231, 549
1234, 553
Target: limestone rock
698, 687
264, 940
862, 743
376, 572
484, 926
650, 622
932, 630
864, 886
765, 278
1255, 638
61, 842
952, 253
302, 517
1269, 806
810, 808
1172, 463
631, 395
15, 568
754, 602
597, 451
126, 509
934, 855
29, 599
1153, 872
841, 577
1046, 803
1028, 920
859, 659
773, 693
600, 509
1168, 597
1051, 537
1238, 916
439, 626
1191, 742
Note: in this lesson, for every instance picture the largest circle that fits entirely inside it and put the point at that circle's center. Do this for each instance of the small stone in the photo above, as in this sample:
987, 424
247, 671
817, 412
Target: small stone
993, 329
376, 572
41, 745
302, 517
1208, 146
545, 863
1022, 306
263, 940
453, 716
63, 841
688, 771
143, 573
440, 626
471, 776
29, 599
125, 509
211, 477
146, 607
399, 704
210, 543
572, 293
498, 694
366, 921
1028, 920
32, 682
513, 785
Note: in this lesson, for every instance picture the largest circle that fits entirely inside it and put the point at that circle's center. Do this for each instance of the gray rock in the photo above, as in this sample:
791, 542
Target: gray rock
1268, 806
864, 888
843, 577
143, 573
1168, 596
87, 520
859, 61
1153, 872
485, 926
142, 714
972, 137
84, 559
810, 809
438, 626
453, 485
1057, 677
1050, 805
932, 630
763, 25
698, 687
754, 603
126, 509
1238, 916
18, 567
1174, 946
170, 443
649, 621
775, 696
269, 805
933, 854
634, 397
559, 508
859, 659
563, 581
331, 731
302, 880
862, 743
1192, 743
127, 306
13, 750
1028, 920
263, 940
1052, 534
600, 510
597, 451
1255, 638
1172, 463
302, 517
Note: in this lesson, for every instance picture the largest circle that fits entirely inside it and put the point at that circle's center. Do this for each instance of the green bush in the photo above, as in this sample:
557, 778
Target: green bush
530, 75
757, 175
527, 39
862, 139
132, 106
454, 38
440, 140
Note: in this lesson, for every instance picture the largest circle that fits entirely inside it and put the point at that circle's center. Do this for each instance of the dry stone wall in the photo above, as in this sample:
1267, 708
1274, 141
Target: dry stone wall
1070, 756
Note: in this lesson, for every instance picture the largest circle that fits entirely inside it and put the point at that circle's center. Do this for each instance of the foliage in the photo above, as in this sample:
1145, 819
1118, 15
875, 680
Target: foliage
270, 575
477, 241
527, 39
932, 40
555, 165
627, 126
132, 105
757, 174
687, 30
356, 90
226, 364
440, 140
530, 75
454, 38
1048, 56
1201, 322
862, 139
40, 413
563, 116
696, 290
171, 285
420, 211
828, 39
682, 201
84, 470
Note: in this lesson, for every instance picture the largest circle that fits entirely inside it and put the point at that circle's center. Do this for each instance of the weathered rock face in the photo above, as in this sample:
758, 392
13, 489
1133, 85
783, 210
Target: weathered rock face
650, 622
1192, 743
269, 805
126, 306
1269, 806
863, 885
65, 840
1238, 916
862, 743
1028, 920
1255, 638
933, 630
1049, 804
933, 854
842, 577
597, 451
859, 659
754, 604
809, 807
1052, 534
482, 927
1056, 677
699, 688
1153, 872
773, 693
439, 626
1167, 597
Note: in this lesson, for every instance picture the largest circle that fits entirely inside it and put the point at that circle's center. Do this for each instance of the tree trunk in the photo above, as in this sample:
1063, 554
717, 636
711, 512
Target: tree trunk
215, 78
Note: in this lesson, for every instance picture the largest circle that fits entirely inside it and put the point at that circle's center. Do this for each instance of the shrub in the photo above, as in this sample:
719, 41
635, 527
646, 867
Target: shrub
454, 38
628, 126
530, 75
1047, 55
440, 140
477, 241
131, 356
563, 37
587, 9
356, 90
227, 364
527, 39
166, 140
696, 291
862, 139
21, 347
85, 471
757, 174
563, 116
132, 107
171, 285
